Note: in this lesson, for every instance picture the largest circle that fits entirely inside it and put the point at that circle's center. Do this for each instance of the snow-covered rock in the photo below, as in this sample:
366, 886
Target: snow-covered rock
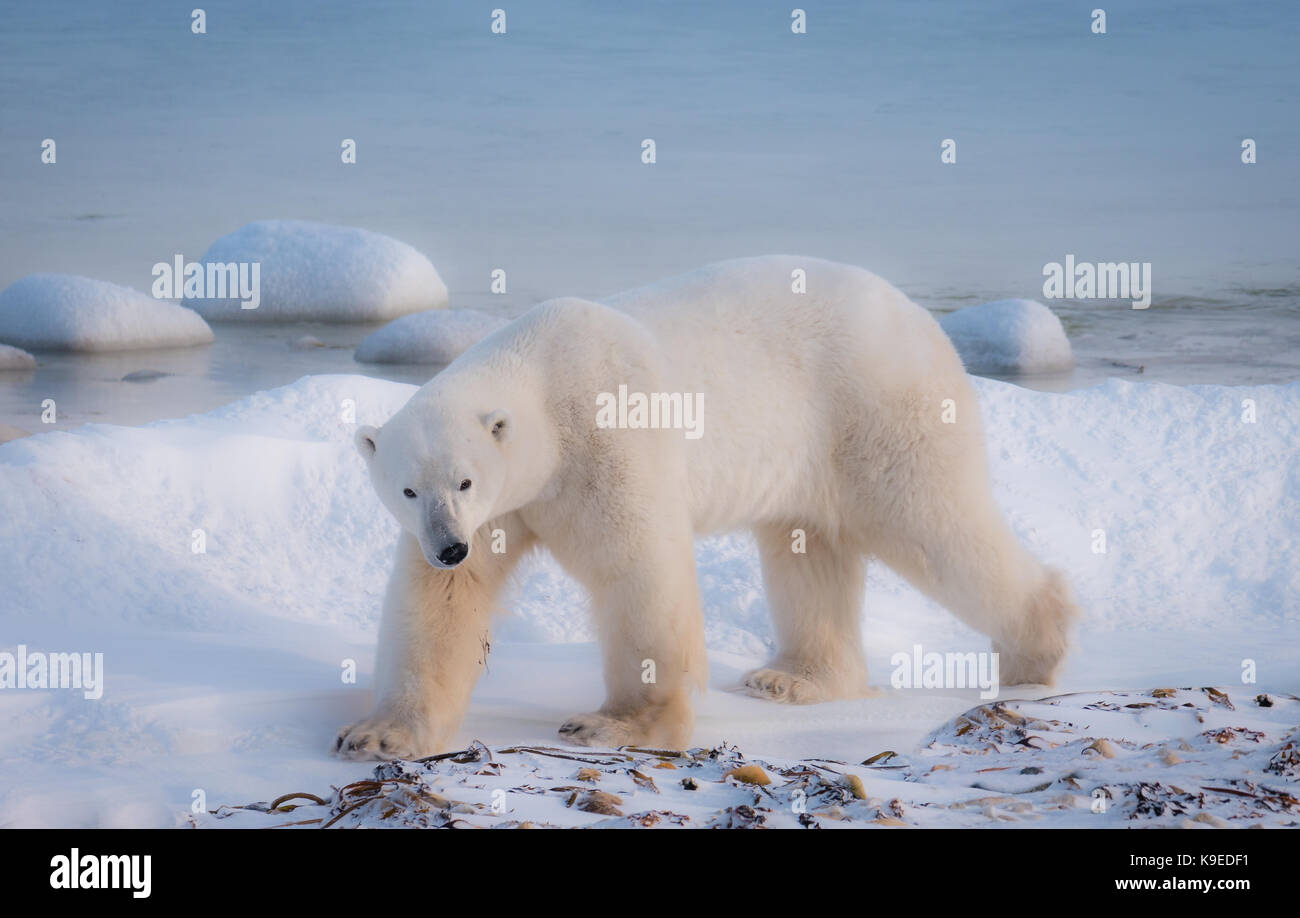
434, 336
1009, 336
314, 271
12, 358
64, 312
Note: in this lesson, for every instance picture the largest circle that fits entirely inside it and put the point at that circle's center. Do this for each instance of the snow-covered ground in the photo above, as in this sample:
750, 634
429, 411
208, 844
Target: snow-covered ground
1168, 757
223, 668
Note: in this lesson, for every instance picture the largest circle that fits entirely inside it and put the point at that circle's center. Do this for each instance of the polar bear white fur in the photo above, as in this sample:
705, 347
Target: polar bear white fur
842, 412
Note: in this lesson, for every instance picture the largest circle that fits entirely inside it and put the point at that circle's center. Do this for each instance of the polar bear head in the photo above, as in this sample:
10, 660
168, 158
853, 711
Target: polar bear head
440, 473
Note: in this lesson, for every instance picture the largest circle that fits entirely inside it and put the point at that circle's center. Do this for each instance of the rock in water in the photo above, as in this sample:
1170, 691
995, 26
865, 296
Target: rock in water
314, 271
64, 312
1009, 336
144, 376
435, 336
12, 358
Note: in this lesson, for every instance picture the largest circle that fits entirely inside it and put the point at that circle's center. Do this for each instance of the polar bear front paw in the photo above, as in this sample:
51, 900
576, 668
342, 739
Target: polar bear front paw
384, 737
598, 729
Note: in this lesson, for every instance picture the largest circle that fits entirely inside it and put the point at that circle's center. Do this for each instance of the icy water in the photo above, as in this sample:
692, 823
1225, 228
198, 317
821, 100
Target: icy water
522, 151
1211, 342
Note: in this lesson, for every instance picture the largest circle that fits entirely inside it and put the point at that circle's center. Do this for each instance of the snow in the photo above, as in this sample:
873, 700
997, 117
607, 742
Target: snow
315, 271
223, 668
64, 312
1009, 336
434, 336
12, 358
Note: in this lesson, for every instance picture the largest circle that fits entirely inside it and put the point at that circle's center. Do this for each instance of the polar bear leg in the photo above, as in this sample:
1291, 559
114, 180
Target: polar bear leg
816, 602
646, 603
433, 646
1032, 651
968, 558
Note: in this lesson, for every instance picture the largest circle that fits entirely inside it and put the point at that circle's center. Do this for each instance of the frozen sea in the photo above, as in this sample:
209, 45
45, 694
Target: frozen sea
522, 151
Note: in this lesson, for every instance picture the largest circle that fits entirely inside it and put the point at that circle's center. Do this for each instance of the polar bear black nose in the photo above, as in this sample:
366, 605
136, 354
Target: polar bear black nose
453, 554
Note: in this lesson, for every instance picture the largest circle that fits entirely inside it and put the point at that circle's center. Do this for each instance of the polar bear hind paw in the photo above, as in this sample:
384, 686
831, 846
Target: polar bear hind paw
778, 685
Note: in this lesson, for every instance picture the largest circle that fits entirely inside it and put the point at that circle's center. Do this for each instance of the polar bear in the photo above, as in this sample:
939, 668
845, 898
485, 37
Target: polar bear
834, 419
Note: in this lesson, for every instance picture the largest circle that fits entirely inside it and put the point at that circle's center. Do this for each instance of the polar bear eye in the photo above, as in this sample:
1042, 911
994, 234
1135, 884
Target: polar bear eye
409, 493
464, 485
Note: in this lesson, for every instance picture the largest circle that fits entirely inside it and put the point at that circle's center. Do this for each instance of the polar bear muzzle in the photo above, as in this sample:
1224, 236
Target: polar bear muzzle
453, 554
441, 545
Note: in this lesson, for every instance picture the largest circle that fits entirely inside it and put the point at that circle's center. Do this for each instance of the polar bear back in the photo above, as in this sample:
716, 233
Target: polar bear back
787, 374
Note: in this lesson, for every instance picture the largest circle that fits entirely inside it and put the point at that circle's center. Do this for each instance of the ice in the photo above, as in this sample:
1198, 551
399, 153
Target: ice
314, 271
12, 358
1173, 510
64, 312
1009, 336
549, 200
433, 336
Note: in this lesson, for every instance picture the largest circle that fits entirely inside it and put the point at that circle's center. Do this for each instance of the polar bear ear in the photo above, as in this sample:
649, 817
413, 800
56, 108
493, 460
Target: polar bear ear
498, 424
366, 439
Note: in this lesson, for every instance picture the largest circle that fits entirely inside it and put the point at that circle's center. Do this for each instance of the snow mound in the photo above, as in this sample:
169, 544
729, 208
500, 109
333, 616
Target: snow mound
434, 336
248, 475
1009, 336
1165, 758
314, 271
64, 312
12, 358
293, 526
